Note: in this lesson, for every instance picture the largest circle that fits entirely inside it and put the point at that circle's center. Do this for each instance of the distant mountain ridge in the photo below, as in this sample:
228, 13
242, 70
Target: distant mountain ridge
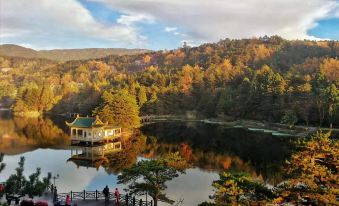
65, 54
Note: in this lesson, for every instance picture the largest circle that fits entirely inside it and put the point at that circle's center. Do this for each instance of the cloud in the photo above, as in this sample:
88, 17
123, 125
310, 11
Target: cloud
214, 19
170, 29
129, 20
61, 24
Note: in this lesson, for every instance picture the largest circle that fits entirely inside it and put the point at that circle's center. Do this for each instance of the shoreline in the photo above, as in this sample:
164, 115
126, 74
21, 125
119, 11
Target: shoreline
277, 129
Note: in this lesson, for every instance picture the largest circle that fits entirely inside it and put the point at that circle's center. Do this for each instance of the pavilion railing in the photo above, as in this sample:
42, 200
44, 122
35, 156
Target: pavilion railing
124, 199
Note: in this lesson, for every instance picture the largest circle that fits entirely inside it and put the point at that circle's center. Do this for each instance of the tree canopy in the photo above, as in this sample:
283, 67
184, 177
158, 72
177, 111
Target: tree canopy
311, 175
34, 186
118, 107
151, 176
259, 79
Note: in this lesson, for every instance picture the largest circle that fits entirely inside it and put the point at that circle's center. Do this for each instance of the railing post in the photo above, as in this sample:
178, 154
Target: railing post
151, 202
71, 195
134, 201
140, 202
96, 194
84, 195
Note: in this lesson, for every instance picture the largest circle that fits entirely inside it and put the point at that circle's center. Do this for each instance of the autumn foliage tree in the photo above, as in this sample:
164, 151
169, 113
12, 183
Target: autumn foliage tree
330, 68
35, 98
312, 172
142, 96
239, 188
118, 107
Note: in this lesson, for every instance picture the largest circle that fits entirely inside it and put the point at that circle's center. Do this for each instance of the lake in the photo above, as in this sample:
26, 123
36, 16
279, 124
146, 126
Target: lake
209, 148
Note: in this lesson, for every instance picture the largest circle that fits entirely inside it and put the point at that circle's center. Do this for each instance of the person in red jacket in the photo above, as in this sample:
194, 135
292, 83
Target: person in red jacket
2, 188
117, 196
68, 201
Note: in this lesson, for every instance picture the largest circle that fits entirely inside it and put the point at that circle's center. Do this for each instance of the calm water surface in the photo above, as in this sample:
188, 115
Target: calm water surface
210, 148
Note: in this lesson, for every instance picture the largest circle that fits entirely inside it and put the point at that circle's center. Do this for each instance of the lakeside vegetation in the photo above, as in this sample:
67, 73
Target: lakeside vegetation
311, 176
272, 79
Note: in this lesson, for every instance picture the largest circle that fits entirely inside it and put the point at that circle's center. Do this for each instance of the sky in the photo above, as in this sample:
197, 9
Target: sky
161, 24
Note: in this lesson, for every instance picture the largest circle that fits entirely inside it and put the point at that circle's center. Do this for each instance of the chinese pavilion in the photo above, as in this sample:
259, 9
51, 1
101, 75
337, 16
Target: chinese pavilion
92, 130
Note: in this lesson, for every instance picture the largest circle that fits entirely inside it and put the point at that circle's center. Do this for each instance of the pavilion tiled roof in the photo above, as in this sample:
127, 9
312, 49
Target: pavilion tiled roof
86, 122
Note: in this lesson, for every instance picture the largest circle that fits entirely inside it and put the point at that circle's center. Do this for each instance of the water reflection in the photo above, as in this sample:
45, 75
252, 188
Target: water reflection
93, 156
215, 148
210, 148
19, 135
113, 157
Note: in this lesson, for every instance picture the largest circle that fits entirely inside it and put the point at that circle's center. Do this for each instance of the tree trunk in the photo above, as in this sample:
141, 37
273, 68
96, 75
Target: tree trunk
320, 112
155, 199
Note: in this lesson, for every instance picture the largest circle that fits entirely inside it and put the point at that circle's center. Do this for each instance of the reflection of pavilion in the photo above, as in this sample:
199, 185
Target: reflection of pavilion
93, 156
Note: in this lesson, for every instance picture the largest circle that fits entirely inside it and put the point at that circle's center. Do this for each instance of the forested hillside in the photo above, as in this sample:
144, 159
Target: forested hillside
65, 54
18, 51
268, 79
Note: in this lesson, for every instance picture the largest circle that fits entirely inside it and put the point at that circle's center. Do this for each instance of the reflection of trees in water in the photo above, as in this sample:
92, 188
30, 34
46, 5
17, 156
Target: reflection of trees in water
215, 147
207, 160
117, 161
21, 134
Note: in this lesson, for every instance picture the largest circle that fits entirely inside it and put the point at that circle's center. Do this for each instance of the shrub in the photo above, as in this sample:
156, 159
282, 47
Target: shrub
289, 118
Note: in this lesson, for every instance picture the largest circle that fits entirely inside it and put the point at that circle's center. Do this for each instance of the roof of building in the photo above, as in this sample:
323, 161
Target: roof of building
111, 127
86, 122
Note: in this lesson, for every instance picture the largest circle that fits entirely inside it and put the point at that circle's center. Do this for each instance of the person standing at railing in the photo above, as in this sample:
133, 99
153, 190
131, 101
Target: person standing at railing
55, 195
117, 196
106, 193
2, 188
68, 201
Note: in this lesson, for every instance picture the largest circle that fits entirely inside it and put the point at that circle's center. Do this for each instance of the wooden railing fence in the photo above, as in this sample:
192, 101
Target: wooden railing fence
124, 199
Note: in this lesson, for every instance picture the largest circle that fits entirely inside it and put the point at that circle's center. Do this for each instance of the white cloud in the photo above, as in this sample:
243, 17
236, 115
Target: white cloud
214, 19
129, 20
170, 29
60, 23
174, 30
